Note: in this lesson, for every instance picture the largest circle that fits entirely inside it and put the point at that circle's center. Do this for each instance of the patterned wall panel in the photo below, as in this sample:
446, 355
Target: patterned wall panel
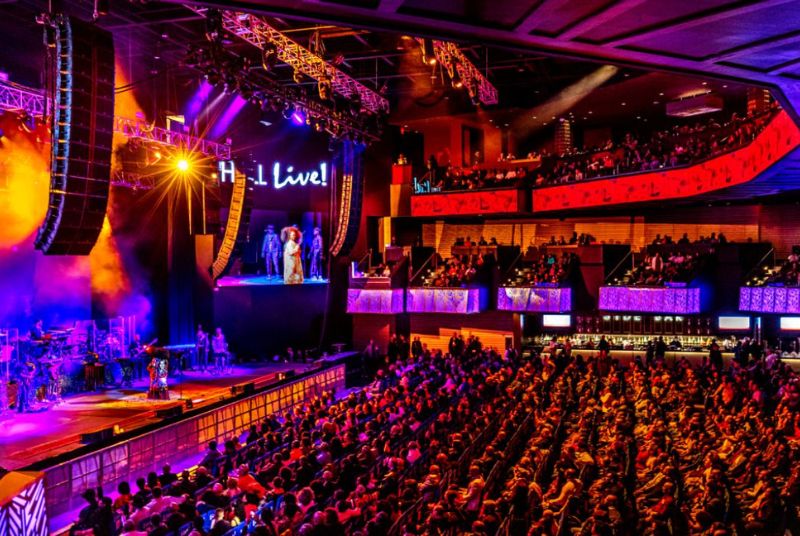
780, 300
22, 505
466, 203
534, 300
446, 300
650, 300
375, 301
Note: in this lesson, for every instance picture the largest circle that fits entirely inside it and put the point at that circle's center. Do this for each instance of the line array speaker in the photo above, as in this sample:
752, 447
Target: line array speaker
81, 90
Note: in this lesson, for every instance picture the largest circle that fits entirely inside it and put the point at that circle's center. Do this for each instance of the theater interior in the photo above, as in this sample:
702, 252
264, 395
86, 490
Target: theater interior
399, 267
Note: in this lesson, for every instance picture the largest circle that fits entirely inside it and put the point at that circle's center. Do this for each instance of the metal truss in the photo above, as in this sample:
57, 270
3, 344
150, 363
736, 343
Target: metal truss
18, 98
256, 31
453, 61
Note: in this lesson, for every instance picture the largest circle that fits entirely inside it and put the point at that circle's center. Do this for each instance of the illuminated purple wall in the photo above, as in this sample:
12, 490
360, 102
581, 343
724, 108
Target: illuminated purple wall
650, 300
375, 301
534, 299
769, 300
446, 300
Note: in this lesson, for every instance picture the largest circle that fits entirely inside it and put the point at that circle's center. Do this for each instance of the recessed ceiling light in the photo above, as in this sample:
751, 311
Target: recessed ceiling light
661, 94
705, 83
591, 112
655, 102
534, 117
638, 117
624, 103
724, 85
505, 124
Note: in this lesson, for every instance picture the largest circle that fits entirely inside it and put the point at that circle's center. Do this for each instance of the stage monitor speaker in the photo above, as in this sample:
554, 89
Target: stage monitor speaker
98, 436
81, 67
249, 388
169, 413
289, 373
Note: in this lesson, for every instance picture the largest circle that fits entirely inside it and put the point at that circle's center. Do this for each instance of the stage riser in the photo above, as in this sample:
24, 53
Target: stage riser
262, 320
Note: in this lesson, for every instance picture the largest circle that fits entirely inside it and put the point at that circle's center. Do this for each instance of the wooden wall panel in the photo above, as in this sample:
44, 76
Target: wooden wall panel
492, 327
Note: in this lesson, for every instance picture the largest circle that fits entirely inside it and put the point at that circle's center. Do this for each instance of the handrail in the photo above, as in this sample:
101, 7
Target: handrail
614, 270
424, 264
760, 261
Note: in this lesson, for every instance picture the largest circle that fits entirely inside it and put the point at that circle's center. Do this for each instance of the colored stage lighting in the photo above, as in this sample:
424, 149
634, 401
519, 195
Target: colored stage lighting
298, 118
183, 165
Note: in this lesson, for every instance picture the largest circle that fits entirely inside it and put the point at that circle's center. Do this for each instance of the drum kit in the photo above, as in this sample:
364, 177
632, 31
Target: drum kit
64, 361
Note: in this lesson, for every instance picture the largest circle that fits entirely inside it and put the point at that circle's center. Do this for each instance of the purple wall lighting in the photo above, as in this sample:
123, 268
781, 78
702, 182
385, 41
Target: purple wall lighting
375, 301
446, 300
769, 299
534, 299
650, 300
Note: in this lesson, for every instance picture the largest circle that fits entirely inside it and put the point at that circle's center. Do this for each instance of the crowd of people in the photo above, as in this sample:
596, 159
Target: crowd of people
456, 271
656, 270
546, 269
676, 146
473, 441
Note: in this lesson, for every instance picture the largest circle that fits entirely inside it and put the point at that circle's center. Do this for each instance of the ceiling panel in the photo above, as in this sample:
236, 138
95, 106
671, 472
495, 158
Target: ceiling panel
704, 40
474, 11
554, 16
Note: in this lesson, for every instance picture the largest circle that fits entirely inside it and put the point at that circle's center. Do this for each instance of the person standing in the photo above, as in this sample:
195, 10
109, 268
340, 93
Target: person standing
135, 349
416, 347
271, 251
201, 346
25, 375
315, 270
219, 347
292, 261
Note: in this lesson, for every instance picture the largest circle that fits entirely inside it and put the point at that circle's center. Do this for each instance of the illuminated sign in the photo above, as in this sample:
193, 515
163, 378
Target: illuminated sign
281, 177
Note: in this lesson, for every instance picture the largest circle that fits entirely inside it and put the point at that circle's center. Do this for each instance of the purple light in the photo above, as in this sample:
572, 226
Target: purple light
446, 300
298, 118
375, 301
198, 99
534, 299
223, 123
769, 299
650, 300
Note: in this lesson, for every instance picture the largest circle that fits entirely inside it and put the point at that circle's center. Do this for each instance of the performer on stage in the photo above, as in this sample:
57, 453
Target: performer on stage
159, 371
316, 255
135, 350
292, 261
271, 251
201, 346
37, 331
25, 374
220, 349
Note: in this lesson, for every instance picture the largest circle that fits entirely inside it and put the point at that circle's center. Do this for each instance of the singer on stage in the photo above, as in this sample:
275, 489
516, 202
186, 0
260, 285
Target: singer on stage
315, 271
271, 251
292, 257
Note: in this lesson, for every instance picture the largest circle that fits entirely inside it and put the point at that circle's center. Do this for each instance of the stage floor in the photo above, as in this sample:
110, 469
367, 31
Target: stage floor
30, 437
260, 280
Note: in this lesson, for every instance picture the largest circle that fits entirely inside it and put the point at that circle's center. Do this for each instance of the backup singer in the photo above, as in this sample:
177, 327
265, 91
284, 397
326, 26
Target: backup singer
292, 261
201, 345
271, 251
315, 271
25, 373
219, 346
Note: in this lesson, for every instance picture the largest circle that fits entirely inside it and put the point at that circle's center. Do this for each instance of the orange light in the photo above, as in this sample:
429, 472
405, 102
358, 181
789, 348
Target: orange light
183, 165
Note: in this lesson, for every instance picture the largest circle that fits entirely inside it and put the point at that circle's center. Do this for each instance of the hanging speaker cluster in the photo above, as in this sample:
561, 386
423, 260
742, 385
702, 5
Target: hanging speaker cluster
350, 160
81, 90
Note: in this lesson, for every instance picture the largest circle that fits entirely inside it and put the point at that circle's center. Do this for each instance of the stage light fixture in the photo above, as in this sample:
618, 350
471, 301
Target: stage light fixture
269, 56
265, 118
298, 118
183, 165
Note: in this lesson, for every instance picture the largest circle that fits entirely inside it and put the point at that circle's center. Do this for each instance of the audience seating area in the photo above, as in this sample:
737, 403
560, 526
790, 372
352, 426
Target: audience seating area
546, 270
487, 444
634, 153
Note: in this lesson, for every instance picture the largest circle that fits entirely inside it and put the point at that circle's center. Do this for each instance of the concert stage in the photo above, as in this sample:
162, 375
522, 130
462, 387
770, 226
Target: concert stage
28, 438
262, 317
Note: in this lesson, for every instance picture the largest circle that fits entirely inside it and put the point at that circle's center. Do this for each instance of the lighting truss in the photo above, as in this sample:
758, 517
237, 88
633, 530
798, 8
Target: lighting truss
21, 99
18, 98
256, 31
453, 60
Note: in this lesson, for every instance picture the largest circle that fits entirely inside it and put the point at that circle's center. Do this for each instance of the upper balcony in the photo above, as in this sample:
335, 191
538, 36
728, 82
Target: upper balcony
739, 160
